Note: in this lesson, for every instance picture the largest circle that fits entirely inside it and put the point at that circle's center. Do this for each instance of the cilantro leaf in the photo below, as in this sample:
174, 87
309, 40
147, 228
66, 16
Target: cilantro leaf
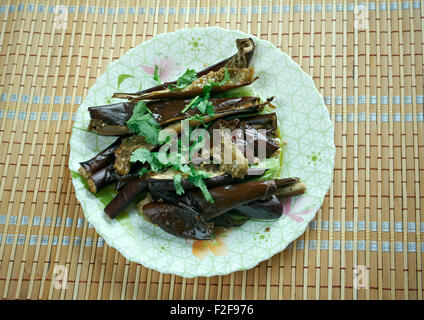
196, 178
143, 155
184, 80
142, 123
122, 77
143, 171
207, 89
202, 105
198, 182
193, 103
155, 74
178, 184
210, 109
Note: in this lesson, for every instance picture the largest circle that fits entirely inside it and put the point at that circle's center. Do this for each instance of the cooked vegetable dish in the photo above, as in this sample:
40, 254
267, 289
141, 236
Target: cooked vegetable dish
195, 153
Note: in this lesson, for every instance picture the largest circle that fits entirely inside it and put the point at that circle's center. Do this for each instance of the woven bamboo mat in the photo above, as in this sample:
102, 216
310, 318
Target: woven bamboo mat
365, 58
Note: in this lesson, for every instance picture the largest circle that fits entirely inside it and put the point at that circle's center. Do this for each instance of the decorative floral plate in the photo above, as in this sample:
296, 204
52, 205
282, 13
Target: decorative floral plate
304, 124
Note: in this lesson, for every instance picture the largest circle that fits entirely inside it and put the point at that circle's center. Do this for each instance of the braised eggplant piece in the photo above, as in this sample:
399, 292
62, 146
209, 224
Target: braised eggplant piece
129, 193
246, 48
223, 123
282, 182
237, 66
230, 220
225, 152
248, 138
228, 197
168, 111
242, 107
272, 208
112, 114
163, 183
268, 209
101, 178
254, 139
111, 119
124, 151
267, 121
122, 180
238, 78
162, 187
291, 190
99, 161
108, 175
178, 220
165, 195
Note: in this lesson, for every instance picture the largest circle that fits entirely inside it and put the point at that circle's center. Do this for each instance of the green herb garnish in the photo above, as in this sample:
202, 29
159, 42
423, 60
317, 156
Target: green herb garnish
196, 178
178, 184
155, 74
192, 103
184, 81
143, 155
122, 77
227, 78
143, 171
143, 124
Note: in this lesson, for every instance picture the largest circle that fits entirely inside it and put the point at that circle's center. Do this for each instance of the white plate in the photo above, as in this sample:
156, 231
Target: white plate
309, 154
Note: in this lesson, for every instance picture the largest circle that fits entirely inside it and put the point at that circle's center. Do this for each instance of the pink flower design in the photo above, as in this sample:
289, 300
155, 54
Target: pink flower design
166, 68
293, 210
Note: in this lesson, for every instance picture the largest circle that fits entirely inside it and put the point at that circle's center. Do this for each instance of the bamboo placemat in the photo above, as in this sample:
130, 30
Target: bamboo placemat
366, 60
